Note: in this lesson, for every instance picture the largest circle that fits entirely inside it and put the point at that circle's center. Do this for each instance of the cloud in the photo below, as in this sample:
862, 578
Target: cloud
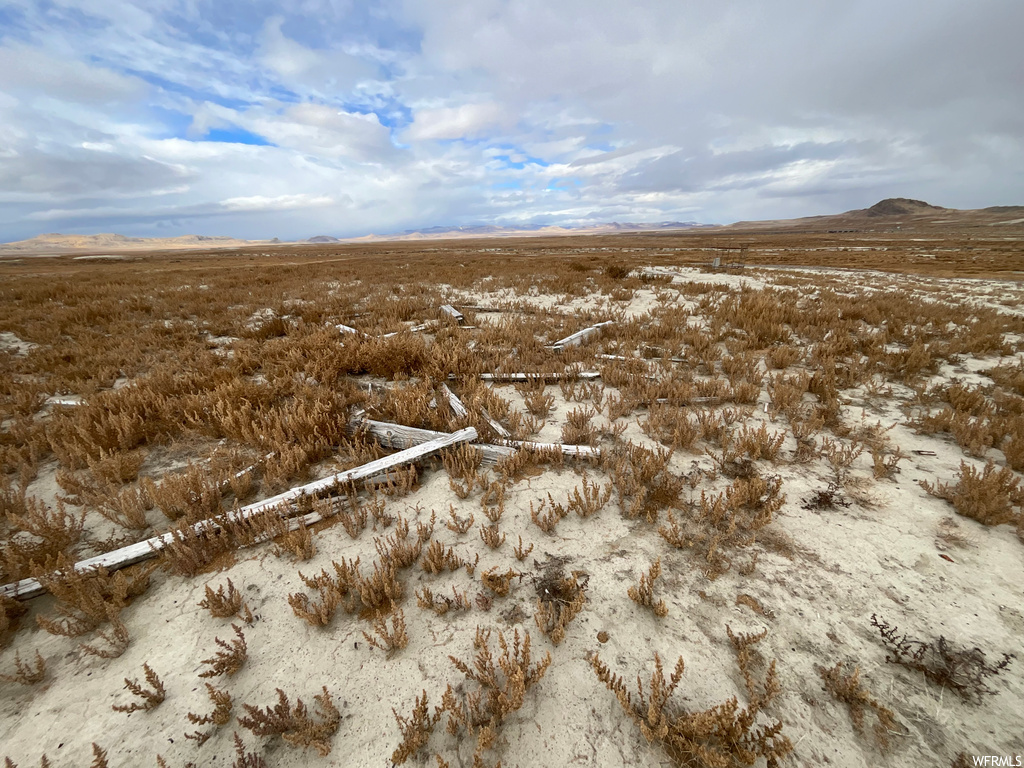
279, 203
465, 121
393, 114
30, 73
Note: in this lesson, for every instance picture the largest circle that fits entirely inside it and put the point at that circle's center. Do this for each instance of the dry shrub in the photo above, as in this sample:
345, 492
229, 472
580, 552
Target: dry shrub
671, 426
458, 524
151, 697
294, 723
190, 552
492, 536
230, 658
296, 541
220, 716
643, 481
86, 600
437, 559
992, 497
848, 689
27, 674
499, 583
374, 595
11, 612
500, 688
720, 522
965, 671
643, 593
547, 521
591, 500
397, 547
389, 640
719, 737
781, 356
522, 552
192, 494
226, 604
559, 598
53, 534
416, 729
539, 404
577, 429
441, 604
463, 466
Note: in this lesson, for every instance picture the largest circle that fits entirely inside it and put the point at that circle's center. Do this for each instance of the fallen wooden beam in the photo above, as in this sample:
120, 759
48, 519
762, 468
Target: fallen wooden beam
579, 451
582, 375
498, 429
143, 550
580, 336
348, 329
451, 311
399, 436
457, 407
413, 329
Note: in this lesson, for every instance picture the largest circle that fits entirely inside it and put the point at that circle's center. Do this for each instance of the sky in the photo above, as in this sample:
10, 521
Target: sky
263, 119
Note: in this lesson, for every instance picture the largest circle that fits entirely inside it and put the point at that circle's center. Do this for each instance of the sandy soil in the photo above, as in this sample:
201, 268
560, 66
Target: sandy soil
895, 551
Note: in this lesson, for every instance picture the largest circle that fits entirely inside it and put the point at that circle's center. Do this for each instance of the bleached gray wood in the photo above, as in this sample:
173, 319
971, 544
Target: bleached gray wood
511, 377
348, 329
448, 309
134, 553
579, 451
498, 429
414, 329
399, 436
580, 336
457, 407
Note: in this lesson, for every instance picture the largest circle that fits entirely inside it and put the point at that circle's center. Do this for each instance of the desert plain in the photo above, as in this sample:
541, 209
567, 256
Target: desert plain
798, 472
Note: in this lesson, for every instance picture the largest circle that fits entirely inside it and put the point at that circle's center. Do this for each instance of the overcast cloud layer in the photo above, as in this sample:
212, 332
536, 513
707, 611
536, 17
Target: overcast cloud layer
261, 119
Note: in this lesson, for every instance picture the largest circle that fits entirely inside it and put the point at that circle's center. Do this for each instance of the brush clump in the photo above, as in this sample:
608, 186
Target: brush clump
643, 593
294, 723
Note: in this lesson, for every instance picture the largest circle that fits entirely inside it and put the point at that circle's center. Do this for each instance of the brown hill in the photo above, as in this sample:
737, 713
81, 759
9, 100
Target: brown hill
896, 214
57, 243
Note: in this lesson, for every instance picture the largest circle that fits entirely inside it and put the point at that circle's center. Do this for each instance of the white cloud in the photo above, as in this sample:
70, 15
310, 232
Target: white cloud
279, 203
403, 114
465, 121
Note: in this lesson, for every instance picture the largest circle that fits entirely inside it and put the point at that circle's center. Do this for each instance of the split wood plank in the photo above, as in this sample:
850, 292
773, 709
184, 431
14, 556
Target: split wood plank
134, 553
457, 407
461, 412
580, 336
342, 328
399, 436
512, 377
414, 329
448, 309
498, 429
579, 451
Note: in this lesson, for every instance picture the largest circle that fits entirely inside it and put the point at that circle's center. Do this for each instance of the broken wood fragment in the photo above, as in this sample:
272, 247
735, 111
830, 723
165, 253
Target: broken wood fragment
457, 407
580, 336
143, 550
512, 377
451, 311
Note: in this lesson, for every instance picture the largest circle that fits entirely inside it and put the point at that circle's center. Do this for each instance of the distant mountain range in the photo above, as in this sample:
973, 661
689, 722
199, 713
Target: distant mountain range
492, 230
897, 213
57, 243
